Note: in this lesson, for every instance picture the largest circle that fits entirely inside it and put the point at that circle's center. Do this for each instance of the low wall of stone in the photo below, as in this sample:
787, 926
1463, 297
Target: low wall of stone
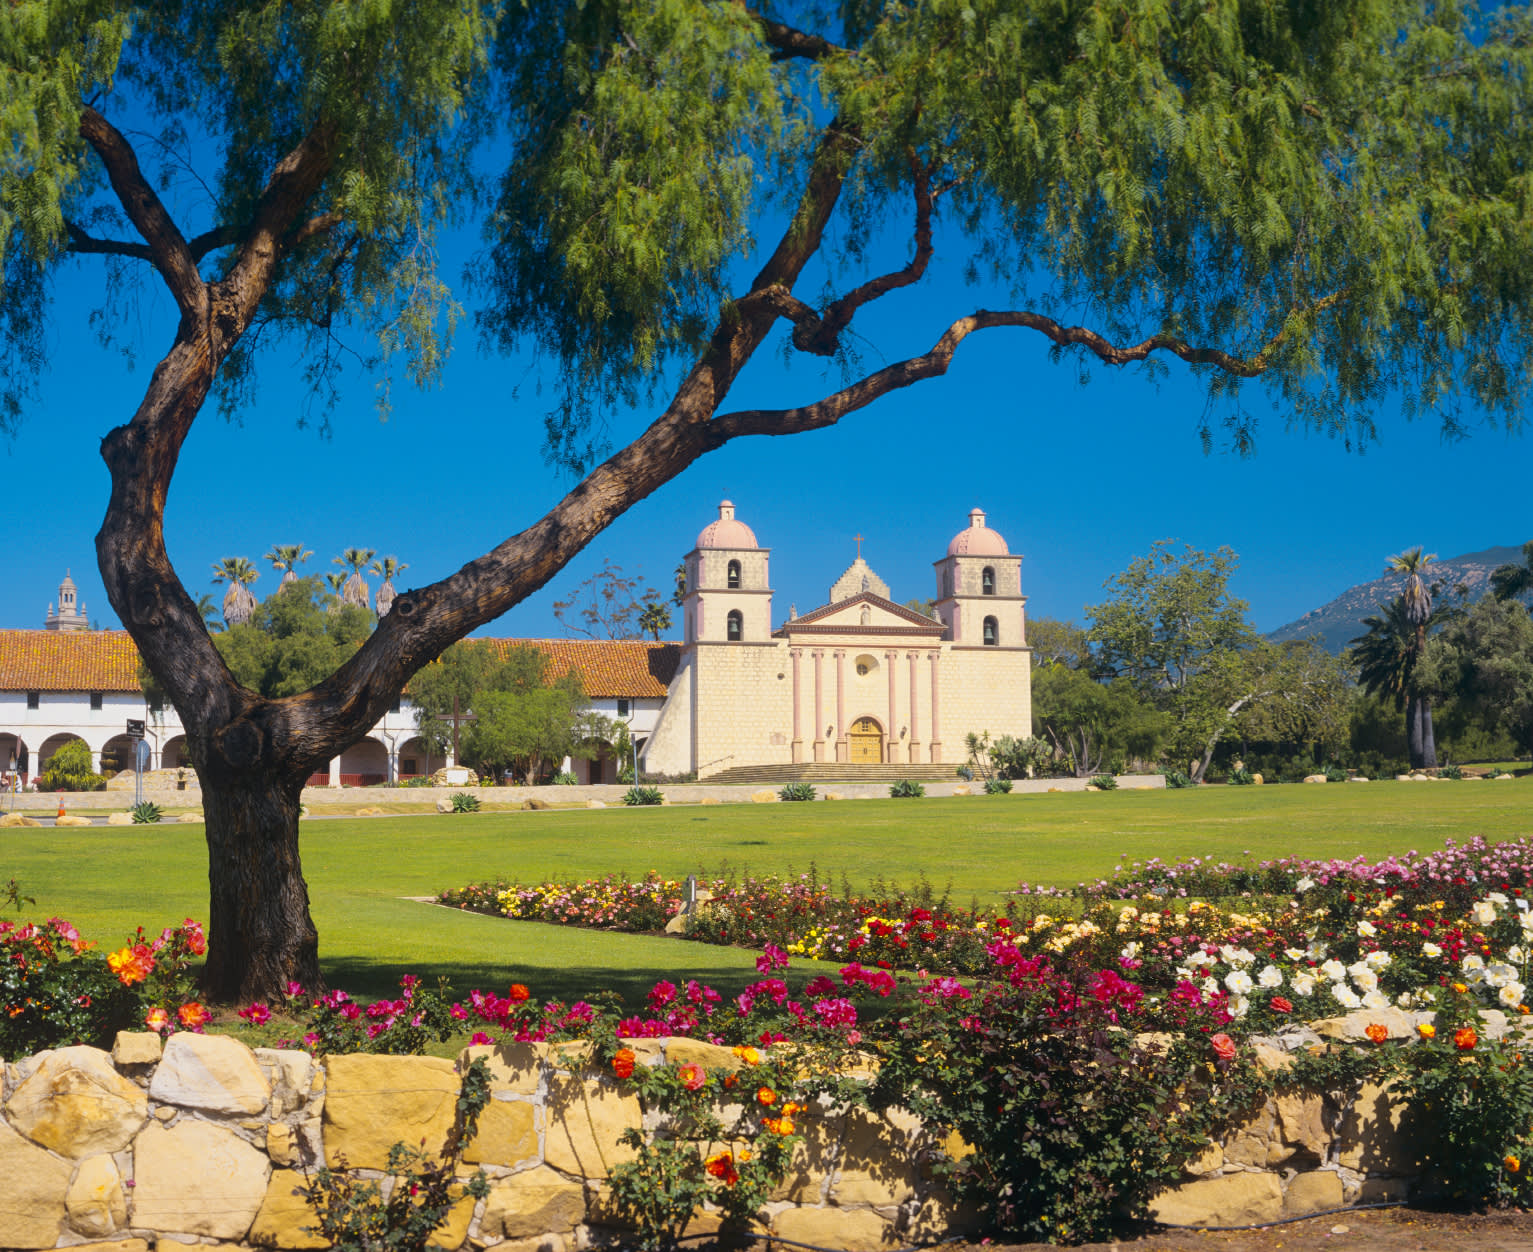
201, 1139
609, 794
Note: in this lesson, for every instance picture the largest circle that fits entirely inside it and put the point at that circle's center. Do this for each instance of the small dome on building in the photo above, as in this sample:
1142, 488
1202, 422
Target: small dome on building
727, 532
977, 539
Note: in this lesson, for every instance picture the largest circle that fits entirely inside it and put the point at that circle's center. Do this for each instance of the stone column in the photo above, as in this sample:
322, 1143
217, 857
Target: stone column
936, 744
819, 703
335, 772
840, 705
893, 739
915, 730
797, 754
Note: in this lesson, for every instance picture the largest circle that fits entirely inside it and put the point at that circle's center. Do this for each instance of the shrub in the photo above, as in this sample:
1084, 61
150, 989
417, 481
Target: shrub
636, 796
1335, 773
146, 813
462, 802
565, 779
69, 769
1451, 771
997, 786
1241, 778
965, 772
906, 789
797, 791
55, 990
403, 1027
1176, 780
1103, 782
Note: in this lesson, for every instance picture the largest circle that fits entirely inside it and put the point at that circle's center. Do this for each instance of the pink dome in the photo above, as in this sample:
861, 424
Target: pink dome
726, 532
977, 539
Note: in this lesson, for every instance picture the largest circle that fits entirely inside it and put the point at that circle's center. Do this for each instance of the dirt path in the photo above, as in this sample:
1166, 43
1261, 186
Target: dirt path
1386, 1230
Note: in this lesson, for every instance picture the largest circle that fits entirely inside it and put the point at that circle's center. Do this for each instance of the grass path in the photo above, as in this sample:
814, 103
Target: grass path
109, 879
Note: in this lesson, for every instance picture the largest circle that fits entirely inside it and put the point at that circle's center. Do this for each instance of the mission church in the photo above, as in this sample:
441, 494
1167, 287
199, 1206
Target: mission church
860, 681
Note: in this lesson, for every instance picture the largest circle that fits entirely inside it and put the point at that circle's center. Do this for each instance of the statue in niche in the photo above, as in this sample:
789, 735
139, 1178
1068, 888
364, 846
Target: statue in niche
867, 614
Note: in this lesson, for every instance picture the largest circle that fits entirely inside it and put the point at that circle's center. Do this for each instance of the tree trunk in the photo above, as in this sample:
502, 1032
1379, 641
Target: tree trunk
1420, 739
260, 934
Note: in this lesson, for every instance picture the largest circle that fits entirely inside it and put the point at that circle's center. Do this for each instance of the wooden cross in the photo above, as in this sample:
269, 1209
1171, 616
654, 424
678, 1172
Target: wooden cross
858, 538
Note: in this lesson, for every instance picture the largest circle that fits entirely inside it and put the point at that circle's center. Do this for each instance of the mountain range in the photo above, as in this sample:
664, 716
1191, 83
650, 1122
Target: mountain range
1341, 620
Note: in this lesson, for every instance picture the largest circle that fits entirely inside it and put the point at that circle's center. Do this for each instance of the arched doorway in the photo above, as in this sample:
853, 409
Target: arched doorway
174, 755
865, 742
14, 757
117, 754
365, 764
416, 760
51, 745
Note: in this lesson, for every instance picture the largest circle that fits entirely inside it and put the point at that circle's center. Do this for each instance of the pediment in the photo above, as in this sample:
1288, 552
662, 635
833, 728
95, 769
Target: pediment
863, 612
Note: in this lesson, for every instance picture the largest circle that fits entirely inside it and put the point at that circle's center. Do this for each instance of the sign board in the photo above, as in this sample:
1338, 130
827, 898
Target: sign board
136, 727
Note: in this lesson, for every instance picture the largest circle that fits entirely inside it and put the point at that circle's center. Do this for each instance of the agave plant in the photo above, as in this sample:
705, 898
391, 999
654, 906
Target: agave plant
354, 590
239, 600
388, 569
287, 557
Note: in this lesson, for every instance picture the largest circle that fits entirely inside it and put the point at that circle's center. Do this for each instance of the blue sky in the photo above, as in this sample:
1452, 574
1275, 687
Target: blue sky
1080, 478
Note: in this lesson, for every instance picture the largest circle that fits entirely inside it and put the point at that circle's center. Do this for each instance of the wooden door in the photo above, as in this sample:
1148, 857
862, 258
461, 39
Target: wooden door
866, 742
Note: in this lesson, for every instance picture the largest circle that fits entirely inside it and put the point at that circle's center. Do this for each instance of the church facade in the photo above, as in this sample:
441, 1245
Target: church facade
861, 680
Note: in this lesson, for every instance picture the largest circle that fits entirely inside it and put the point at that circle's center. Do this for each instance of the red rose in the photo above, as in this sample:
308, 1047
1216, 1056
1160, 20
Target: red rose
1223, 1045
622, 1063
1281, 1004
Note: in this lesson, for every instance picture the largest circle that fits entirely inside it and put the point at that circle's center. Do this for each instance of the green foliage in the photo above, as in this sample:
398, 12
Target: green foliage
1104, 782
146, 813
1474, 1107
565, 779
70, 768
400, 1026
1451, 771
463, 802
613, 605
1481, 664
1241, 778
352, 1212
997, 786
1176, 780
54, 989
292, 640
797, 791
1022, 758
906, 789
641, 796
1088, 722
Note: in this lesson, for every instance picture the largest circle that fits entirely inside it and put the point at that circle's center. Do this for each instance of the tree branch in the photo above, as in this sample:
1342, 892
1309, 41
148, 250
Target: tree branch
167, 248
788, 43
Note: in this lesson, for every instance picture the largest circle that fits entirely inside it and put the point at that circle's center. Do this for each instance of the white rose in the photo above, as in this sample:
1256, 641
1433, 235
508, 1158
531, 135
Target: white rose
1364, 978
1495, 897
1304, 884
1345, 996
1525, 920
1484, 913
1303, 984
1210, 986
1377, 960
1516, 955
1270, 977
1406, 999
1375, 1000
1294, 954
1511, 995
1239, 1005
1431, 949
1367, 929
1500, 974
1130, 951
1238, 981
1334, 970
1474, 961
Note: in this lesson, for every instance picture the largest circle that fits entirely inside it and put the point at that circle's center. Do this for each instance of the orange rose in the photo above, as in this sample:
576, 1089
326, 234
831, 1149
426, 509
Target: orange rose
1223, 1046
765, 1095
1426, 1030
692, 1077
1377, 1031
518, 992
156, 1019
193, 1015
748, 1054
1512, 1163
1464, 1038
721, 1165
622, 1063
132, 964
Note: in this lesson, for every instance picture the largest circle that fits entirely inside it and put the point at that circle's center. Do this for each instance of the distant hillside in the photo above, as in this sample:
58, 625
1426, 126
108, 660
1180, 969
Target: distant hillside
1341, 621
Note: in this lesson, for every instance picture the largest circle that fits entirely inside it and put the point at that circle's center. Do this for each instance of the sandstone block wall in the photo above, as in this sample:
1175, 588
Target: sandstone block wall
203, 1140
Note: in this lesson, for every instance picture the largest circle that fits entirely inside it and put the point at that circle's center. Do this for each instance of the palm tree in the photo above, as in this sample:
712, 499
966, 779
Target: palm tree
287, 557
389, 568
1388, 657
239, 600
355, 589
335, 582
655, 618
208, 608
1508, 582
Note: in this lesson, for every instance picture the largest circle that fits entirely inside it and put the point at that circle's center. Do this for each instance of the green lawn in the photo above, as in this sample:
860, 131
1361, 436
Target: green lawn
108, 880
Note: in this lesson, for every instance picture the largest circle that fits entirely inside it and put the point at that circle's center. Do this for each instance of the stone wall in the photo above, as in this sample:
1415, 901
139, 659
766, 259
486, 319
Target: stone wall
203, 1140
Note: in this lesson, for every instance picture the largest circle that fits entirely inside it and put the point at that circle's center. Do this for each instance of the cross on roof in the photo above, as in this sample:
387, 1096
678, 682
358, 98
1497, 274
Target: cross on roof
858, 538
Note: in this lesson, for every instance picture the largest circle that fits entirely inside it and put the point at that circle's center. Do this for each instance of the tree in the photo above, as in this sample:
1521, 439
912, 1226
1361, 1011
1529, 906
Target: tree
1178, 636
654, 618
239, 600
208, 610
1510, 581
286, 558
1058, 643
291, 642
388, 569
1485, 658
1089, 722
1285, 233
1388, 659
354, 590
444, 691
609, 605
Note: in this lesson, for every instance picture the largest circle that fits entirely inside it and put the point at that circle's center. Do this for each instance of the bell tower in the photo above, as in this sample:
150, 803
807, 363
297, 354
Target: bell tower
727, 598
979, 589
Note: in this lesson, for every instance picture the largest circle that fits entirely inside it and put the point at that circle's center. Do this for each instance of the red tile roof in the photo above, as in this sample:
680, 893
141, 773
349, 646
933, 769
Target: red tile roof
106, 660
57, 660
